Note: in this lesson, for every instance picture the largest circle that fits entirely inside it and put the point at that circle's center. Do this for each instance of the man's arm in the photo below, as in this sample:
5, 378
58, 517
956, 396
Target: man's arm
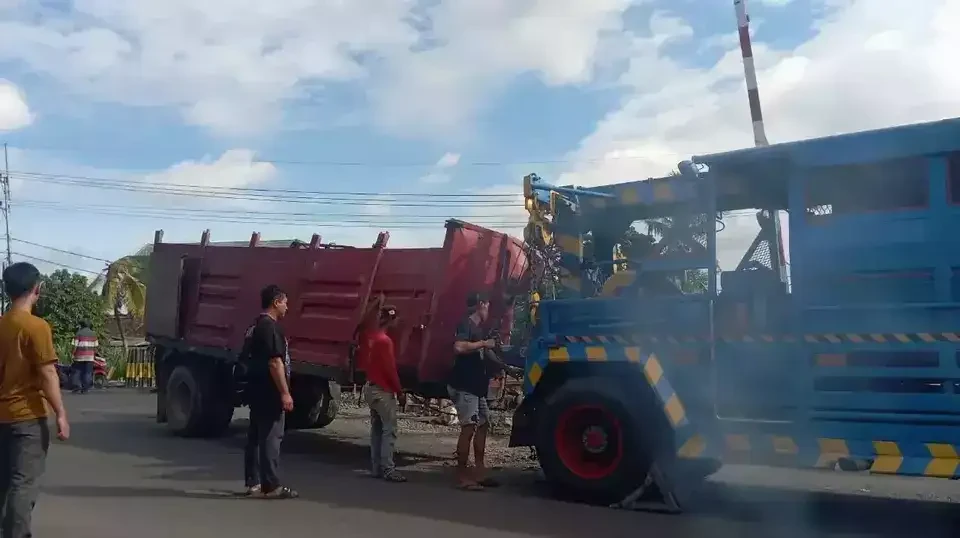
44, 358
277, 348
50, 383
462, 344
278, 372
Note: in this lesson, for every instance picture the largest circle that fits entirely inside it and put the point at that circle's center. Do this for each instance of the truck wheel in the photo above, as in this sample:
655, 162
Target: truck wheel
313, 406
184, 404
192, 406
589, 443
329, 406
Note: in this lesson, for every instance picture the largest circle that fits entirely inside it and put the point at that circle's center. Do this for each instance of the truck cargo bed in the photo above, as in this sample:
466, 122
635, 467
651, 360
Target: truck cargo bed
201, 297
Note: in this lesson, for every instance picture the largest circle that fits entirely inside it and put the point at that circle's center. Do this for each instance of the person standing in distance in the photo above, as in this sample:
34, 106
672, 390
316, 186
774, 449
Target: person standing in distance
469, 384
84, 352
382, 392
268, 388
28, 380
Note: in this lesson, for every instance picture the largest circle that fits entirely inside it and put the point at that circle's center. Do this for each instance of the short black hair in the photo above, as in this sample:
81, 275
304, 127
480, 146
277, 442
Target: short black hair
476, 298
387, 314
269, 294
19, 279
85, 324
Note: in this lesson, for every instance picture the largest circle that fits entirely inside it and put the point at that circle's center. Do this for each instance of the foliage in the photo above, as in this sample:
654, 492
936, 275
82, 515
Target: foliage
116, 362
122, 287
65, 302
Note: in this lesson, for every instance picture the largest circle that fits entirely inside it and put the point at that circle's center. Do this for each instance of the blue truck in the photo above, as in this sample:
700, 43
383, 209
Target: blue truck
639, 385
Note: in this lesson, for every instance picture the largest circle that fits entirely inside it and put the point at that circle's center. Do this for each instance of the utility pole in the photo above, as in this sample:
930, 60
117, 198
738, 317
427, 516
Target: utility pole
6, 212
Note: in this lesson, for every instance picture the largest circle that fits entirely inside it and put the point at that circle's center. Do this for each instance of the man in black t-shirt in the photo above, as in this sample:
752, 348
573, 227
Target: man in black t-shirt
469, 383
268, 390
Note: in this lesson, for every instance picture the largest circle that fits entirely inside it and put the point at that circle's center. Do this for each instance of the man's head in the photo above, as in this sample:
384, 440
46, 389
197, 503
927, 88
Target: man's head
274, 300
21, 281
479, 305
387, 317
85, 324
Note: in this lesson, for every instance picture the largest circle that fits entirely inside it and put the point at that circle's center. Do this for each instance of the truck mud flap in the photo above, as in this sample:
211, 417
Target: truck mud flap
670, 482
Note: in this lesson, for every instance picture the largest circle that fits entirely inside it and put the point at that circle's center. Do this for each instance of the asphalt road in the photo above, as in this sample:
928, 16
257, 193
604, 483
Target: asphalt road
122, 476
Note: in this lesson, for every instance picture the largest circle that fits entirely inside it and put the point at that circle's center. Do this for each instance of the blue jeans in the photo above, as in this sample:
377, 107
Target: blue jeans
82, 375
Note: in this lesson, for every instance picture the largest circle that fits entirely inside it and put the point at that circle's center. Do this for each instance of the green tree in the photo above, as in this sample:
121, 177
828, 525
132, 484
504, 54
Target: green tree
122, 287
65, 302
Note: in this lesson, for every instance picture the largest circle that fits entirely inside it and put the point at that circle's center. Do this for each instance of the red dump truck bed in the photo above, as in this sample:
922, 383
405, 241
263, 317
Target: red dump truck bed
203, 296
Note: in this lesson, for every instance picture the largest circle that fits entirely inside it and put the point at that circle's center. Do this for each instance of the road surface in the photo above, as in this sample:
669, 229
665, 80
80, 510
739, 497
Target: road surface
122, 476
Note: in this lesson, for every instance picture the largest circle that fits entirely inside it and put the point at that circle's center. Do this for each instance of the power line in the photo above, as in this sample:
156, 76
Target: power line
203, 192
218, 188
253, 218
321, 218
60, 250
493, 163
58, 264
189, 210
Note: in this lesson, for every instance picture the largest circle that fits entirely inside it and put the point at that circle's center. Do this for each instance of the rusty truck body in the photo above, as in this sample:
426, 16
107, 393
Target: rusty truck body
202, 297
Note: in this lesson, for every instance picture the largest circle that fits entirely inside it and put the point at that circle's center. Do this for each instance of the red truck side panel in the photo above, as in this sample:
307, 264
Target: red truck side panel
328, 290
476, 260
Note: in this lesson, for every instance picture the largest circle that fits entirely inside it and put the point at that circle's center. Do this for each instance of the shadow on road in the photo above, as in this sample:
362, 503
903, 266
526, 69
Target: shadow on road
324, 468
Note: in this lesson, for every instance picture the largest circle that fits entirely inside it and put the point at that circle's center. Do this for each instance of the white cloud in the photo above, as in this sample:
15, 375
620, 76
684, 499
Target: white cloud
440, 172
234, 168
230, 65
775, 3
14, 111
484, 44
448, 160
864, 68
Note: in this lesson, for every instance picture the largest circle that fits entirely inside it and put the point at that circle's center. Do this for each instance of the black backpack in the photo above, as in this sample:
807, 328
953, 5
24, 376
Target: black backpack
245, 363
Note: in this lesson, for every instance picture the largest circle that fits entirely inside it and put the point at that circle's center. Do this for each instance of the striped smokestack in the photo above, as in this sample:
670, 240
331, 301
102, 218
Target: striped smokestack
750, 72
756, 116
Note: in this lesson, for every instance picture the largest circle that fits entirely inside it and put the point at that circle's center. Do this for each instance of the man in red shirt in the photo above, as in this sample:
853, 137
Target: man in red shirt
381, 392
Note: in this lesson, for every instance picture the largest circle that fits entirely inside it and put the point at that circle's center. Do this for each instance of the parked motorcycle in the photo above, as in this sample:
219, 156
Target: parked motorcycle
65, 373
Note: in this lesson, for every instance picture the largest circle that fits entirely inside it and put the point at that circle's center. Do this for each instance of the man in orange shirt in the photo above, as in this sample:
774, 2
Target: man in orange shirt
381, 392
28, 380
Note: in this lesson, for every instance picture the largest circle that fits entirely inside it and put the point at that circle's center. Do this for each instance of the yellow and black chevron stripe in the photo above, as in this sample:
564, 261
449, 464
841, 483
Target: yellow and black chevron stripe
940, 460
653, 372
831, 338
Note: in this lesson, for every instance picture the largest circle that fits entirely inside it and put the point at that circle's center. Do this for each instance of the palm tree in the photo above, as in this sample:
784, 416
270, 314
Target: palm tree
122, 286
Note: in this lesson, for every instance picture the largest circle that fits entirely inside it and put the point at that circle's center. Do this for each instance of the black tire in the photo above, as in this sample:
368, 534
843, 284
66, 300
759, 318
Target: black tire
193, 408
609, 470
313, 405
330, 405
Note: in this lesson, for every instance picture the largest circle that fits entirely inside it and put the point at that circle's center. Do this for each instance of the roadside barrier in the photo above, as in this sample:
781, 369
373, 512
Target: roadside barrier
140, 371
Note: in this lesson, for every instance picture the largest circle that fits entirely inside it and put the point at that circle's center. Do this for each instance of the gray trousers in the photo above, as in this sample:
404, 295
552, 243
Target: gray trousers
261, 456
23, 453
383, 428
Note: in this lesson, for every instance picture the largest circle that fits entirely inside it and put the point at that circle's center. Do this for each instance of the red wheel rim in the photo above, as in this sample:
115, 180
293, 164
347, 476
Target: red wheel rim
589, 441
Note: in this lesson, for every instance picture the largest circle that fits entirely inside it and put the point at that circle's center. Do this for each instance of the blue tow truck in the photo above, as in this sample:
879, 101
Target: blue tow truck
638, 386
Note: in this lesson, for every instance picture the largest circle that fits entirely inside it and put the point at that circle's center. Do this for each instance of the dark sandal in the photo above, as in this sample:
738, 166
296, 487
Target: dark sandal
282, 492
489, 483
470, 487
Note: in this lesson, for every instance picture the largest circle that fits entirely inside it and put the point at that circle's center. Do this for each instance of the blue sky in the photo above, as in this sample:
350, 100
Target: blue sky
431, 97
